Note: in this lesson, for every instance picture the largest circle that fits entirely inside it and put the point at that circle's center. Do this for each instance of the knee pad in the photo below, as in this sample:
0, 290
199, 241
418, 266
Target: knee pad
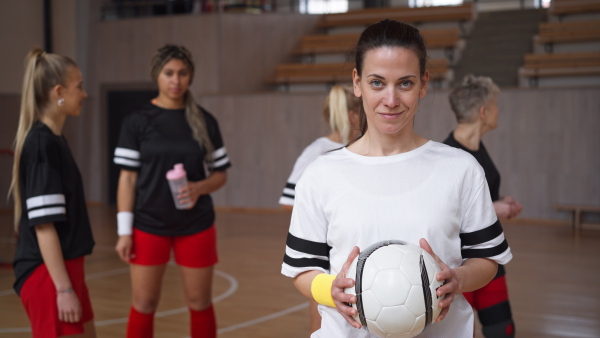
503, 329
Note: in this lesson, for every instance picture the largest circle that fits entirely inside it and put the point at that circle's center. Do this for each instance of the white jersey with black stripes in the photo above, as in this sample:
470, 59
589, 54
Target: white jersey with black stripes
434, 192
317, 148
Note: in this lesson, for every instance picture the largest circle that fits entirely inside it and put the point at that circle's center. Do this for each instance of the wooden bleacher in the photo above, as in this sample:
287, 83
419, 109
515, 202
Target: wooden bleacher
330, 68
342, 43
461, 13
551, 33
338, 72
560, 65
576, 212
569, 7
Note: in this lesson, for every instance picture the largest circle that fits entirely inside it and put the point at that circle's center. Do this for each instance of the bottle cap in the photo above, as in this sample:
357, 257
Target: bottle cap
177, 172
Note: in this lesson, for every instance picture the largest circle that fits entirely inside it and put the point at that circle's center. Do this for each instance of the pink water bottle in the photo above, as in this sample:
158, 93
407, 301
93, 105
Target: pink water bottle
178, 180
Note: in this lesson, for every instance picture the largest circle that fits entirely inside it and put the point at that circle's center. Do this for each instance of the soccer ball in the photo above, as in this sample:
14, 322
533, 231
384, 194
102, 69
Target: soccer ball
395, 289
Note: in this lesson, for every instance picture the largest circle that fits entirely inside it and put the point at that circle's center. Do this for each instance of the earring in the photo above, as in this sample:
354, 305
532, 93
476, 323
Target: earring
61, 101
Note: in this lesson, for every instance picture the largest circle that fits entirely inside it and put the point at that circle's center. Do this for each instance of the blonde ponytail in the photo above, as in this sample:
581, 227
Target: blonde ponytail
339, 103
42, 72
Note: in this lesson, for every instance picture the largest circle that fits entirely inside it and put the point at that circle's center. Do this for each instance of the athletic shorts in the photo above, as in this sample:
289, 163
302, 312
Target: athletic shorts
198, 250
38, 295
493, 293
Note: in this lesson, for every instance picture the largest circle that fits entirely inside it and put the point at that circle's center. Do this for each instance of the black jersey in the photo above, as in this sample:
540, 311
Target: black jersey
151, 142
51, 192
492, 176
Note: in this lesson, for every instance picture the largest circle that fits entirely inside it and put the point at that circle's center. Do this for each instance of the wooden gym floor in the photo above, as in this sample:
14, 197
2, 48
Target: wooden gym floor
553, 282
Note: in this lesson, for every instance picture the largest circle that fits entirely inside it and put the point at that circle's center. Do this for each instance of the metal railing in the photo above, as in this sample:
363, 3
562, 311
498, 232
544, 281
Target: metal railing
121, 9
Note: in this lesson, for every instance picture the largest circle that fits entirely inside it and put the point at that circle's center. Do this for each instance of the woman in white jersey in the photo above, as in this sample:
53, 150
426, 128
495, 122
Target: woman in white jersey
391, 183
341, 112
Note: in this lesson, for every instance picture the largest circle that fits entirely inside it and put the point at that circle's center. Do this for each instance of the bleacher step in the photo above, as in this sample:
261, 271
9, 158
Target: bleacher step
497, 44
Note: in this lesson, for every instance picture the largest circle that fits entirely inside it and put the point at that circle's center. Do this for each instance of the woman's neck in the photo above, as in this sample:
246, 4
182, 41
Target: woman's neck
379, 144
469, 135
167, 103
54, 121
335, 137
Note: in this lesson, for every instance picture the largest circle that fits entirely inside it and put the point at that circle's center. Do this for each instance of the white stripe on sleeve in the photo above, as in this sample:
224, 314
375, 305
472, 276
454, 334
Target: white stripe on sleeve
126, 162
221, 162
46, 212
40, 201
127, 153
219, 152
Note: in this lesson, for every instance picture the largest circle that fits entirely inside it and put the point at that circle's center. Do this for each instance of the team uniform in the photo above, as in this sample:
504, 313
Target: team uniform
51, 192
434, 192
309, 154
491, 301
151, 142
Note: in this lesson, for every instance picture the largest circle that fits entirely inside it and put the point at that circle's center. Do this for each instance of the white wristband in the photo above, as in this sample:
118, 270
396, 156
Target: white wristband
124, 223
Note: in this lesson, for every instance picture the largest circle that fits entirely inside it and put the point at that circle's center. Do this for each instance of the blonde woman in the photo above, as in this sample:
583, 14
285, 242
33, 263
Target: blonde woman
169, 130
341, 112
50, 212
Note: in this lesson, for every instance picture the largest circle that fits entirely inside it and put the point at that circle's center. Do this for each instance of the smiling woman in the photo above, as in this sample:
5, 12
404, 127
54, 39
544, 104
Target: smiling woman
392, 184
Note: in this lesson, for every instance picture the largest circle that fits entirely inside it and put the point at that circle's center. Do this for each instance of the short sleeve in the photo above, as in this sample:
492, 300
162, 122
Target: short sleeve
220, 159
289, 191
127, 152
306, 244
43, 193
482, 235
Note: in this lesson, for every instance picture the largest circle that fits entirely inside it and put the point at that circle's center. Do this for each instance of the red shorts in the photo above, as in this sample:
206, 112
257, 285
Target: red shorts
38, 295
193, 251
495, 292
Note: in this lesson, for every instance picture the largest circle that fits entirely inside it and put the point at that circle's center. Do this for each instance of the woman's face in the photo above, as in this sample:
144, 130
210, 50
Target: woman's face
73, 92
174, 80
390, 86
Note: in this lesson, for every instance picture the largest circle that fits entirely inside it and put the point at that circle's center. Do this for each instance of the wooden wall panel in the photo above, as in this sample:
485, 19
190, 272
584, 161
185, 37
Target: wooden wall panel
546, 146
263, 134
264, 41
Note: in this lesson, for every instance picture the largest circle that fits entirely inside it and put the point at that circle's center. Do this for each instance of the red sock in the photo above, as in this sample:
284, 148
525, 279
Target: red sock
203, 323
140, 325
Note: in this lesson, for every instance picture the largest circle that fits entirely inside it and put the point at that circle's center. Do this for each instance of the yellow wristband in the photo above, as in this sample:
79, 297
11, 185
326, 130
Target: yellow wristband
321, 289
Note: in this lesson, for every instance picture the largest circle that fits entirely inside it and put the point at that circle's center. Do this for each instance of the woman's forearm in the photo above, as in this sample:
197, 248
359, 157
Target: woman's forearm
303, 282
52, 255
213, 182
126, 190
475, 273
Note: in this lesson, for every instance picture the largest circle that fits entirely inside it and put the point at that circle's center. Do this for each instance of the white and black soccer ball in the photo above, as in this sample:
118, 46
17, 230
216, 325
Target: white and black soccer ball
395, 289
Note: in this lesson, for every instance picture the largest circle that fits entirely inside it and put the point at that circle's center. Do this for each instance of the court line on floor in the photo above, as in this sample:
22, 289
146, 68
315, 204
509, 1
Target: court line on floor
233, 286
263, 319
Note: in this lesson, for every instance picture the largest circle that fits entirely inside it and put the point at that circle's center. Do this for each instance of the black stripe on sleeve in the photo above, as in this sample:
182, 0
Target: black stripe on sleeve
59, 205
481, 236
288, 196
220, 158
305, 262
222, 167
290, 185
485, 253
307, 247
